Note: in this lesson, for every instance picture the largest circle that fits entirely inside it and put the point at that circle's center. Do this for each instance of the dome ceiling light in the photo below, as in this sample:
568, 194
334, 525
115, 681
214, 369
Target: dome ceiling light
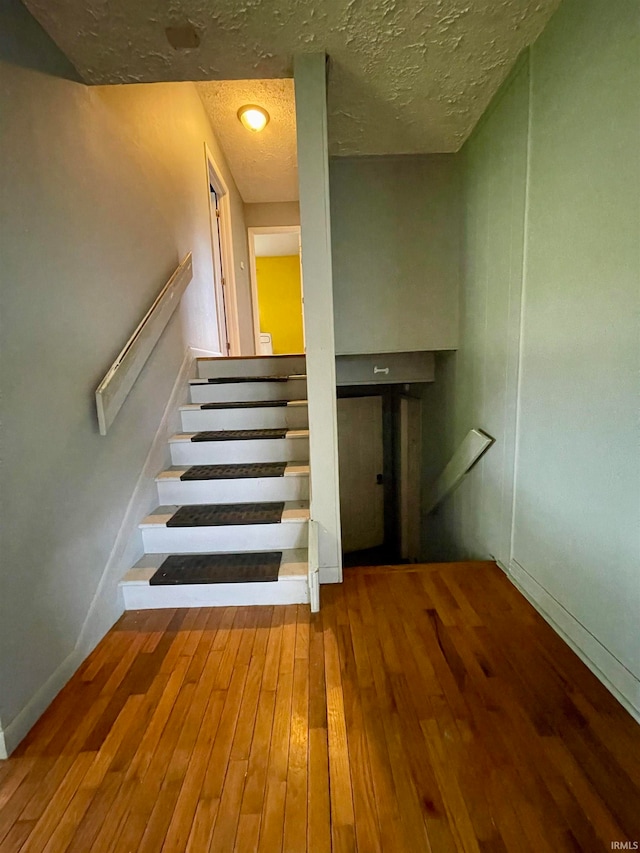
253, 117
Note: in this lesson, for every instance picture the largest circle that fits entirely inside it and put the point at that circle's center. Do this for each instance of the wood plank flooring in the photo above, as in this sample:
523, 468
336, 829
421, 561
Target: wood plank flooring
426, 708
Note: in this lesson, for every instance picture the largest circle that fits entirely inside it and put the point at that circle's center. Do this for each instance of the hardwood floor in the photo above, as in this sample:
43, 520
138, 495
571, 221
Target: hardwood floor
426, 708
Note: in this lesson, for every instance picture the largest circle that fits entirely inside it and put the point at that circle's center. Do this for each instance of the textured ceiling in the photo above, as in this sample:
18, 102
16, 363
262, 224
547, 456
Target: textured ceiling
407, 76
264, 165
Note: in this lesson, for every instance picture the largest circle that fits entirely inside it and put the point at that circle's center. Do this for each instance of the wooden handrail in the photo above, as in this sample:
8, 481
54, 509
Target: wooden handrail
474, 445
121, 376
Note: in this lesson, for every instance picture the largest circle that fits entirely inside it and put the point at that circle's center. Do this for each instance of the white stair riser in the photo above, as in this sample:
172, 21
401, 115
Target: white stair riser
230, 452
245, 392
181, 492
145, 597
292, 417
273, 366
241, 537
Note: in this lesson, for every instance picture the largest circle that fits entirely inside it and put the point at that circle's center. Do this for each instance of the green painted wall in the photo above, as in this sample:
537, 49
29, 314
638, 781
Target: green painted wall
577, 512
395, 227
482, 377
550, 355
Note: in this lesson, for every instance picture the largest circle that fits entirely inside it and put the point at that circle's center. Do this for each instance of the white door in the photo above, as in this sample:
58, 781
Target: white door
360, 452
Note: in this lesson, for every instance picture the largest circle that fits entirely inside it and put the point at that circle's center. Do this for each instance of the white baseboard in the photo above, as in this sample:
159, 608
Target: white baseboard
615, 676
3, 748
107, 605
128, 544
20, 726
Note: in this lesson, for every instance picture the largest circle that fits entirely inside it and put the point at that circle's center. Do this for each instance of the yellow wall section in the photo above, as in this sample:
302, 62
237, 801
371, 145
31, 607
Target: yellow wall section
280, 302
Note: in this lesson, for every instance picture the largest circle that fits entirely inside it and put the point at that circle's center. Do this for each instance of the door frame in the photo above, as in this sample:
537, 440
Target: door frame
252, 231
410, 481
215, 179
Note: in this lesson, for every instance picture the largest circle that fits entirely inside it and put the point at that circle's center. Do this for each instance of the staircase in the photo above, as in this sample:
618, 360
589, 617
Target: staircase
231, 527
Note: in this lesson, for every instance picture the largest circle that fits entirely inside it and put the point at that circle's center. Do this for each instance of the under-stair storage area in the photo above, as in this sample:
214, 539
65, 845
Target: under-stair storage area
380, 466
396, 239
231, 525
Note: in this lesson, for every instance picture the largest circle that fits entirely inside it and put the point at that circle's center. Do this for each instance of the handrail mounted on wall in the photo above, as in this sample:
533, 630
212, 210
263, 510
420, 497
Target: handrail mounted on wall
121, 376
474, 445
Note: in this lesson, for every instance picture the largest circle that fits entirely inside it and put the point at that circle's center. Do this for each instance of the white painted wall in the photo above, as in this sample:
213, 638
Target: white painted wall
164, 124
278, 245
550, 358
313, 173
274, 213
395, 234
104, 190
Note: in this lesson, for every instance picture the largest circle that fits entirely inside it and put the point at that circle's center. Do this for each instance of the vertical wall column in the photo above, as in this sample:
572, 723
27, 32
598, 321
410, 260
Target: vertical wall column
313, 172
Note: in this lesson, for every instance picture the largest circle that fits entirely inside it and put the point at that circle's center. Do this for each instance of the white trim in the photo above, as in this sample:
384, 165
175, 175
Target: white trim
330, 574
251, 233
214, 177
20, 726
107, 605
313, 567
615, 676
313, 175
3, 748
255, 308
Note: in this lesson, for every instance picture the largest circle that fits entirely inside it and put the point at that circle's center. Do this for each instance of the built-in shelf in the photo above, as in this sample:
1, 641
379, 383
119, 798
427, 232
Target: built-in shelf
385, 368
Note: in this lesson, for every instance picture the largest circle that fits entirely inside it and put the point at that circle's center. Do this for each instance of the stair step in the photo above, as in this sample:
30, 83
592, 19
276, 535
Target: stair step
199, 528
255, 481
216, 515
249, 470
250, 388
243, 567
232, 380
291, 414
231, 472
241, 380
239, 434
279, 365
162, 516
233, 519
290, 588
244, 404
225, 446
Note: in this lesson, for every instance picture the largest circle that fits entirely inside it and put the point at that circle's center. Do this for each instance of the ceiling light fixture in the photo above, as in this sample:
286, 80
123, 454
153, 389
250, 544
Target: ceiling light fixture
254, 118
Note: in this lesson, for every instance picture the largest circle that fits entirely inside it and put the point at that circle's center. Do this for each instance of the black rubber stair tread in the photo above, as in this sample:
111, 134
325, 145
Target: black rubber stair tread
236, 471
218, 568
249, 404
238, 434
215, 515
229, 380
